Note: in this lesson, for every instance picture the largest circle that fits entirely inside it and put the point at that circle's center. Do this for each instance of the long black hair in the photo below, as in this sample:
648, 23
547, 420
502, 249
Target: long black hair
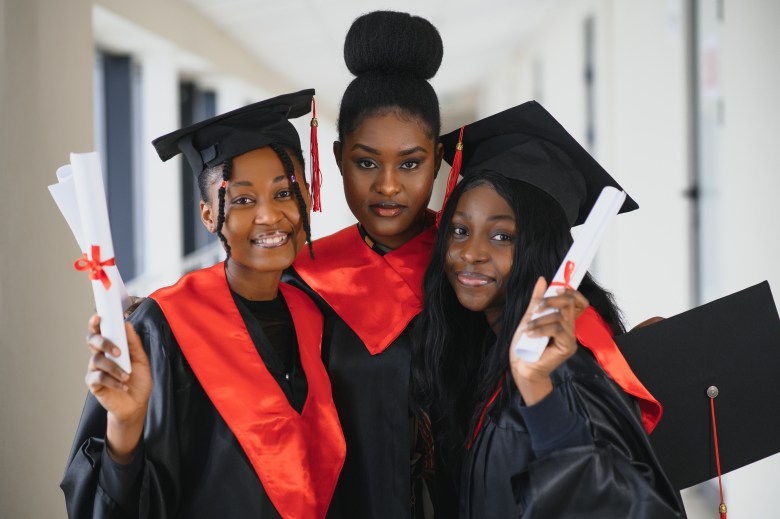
221, 172
392, 55
458, 360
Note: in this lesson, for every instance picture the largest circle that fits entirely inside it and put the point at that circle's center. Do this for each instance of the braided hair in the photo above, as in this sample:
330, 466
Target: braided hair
392, 55
222, 171
289, 170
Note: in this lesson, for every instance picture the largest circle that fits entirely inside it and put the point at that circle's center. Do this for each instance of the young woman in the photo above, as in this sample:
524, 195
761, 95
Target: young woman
367, 278
559, 437
228, 409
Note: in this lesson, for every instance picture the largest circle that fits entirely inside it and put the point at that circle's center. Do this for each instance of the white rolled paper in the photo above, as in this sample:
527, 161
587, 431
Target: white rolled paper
81, 198
578, 260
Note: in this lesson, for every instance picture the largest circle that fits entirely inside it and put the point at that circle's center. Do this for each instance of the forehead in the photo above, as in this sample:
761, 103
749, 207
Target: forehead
262, 164
483, 202
391, 129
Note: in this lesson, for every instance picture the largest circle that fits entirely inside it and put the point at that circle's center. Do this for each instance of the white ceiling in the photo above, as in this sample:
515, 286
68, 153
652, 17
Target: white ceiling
303, 39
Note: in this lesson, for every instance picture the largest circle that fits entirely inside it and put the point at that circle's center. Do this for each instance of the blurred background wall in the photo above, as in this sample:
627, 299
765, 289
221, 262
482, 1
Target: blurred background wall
676, 98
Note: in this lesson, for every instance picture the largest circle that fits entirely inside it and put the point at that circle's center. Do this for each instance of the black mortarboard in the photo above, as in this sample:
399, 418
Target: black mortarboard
732, 344
526, 143
211, 142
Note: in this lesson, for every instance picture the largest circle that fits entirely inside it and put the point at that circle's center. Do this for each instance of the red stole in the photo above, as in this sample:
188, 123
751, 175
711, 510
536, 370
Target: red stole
297, 457
376, 296
593, 333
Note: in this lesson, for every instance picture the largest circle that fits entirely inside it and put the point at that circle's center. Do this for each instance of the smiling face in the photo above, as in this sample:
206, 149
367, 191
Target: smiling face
388, 165
263, 224
480, 250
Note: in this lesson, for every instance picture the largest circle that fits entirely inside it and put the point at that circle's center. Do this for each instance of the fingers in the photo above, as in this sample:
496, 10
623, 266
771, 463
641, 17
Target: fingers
99, 344
134, 345
537, 299
94, 324
99, 362
537, 296
97, 381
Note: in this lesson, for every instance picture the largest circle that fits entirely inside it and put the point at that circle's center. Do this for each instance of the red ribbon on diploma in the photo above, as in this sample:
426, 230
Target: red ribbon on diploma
567, 272
95, 266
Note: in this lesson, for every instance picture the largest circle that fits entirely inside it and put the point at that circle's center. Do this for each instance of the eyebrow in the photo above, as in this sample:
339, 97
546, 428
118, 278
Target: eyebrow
494, 218
402, 153
244, 183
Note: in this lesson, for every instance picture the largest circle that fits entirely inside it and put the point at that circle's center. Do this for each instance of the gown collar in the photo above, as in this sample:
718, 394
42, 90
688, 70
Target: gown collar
376, 295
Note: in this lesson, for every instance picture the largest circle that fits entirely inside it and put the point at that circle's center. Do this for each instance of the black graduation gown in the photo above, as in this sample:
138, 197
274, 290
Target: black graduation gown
371, 391
192, 464
618, 476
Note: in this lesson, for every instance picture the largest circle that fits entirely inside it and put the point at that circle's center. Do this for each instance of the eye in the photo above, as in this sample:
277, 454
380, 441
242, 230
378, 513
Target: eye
410, 164
459, 230
242, 200
285, 193
366, 164
504, 237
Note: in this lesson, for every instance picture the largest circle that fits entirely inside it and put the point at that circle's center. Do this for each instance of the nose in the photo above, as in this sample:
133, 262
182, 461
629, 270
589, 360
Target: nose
267, 213
388, 182
473, 251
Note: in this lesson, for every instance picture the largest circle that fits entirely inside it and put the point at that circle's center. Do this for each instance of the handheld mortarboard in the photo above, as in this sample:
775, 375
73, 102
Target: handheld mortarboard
724, 355
211, 142
528, 144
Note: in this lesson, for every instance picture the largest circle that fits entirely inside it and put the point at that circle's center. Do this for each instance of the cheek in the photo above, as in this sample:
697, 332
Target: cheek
356, 187
449, 257
505, 264
420, 187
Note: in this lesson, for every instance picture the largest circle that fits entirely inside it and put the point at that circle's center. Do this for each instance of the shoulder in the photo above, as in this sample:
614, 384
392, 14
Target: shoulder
329, 249
151, 325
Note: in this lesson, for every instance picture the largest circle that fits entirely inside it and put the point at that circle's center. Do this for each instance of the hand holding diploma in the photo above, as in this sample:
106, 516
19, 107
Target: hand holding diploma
573, 268
80, 196
125, 396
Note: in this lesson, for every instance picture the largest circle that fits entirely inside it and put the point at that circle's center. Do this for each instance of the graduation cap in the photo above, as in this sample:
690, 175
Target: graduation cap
526, 143
720, 360
215, 140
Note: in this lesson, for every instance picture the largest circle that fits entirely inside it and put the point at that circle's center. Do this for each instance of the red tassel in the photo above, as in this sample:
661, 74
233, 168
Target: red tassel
452, 180
316, 175
712, 392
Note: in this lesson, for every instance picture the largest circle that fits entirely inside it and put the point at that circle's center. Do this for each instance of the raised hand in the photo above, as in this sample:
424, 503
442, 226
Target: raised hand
125, 396
533, 378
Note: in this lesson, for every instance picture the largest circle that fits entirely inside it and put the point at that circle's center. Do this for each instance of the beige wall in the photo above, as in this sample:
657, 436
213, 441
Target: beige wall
46, 113
46, 60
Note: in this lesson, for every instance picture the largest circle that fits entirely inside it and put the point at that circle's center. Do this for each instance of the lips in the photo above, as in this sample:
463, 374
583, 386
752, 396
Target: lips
473, 279
387, 209
270, 240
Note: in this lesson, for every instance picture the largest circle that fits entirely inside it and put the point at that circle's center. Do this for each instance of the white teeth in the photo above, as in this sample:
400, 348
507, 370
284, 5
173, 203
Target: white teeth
274, 239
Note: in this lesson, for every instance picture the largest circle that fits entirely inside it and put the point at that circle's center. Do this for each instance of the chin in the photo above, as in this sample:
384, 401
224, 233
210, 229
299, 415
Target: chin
471, 303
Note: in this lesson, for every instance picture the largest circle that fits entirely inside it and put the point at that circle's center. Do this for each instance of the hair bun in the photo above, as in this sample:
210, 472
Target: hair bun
389, 41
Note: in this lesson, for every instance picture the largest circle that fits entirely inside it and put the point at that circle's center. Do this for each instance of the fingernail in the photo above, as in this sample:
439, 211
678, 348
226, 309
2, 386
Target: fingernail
116, 352
125, 387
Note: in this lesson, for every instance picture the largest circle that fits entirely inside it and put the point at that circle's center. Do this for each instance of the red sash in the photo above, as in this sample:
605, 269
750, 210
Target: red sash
593, 333
297, 457
377, 296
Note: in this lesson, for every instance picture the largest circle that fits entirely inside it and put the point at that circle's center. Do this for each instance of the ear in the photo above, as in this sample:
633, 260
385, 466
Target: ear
439, 156
337, 154
208, 216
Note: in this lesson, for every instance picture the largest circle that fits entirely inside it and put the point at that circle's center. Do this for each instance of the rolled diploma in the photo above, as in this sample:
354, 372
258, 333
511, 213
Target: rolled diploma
581, 254
80, 196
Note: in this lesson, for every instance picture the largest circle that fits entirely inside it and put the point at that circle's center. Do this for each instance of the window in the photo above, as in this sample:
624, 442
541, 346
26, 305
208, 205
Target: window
117, 119
195, 105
